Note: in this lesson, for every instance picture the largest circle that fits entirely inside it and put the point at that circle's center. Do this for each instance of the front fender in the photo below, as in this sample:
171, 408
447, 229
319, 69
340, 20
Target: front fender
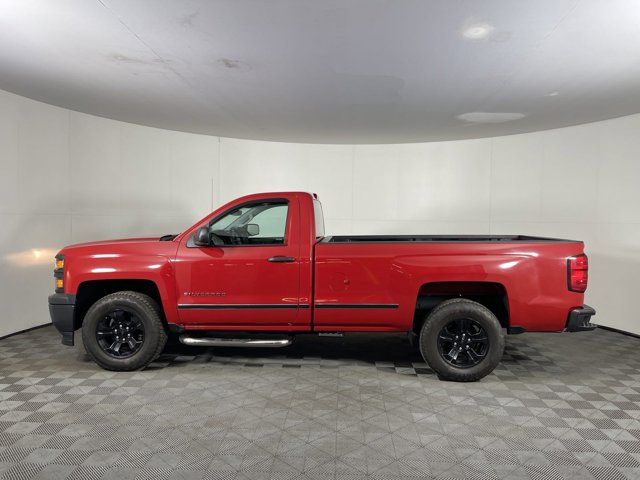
95, 267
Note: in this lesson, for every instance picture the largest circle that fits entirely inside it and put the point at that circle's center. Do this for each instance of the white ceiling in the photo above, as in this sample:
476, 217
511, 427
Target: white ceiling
328, 71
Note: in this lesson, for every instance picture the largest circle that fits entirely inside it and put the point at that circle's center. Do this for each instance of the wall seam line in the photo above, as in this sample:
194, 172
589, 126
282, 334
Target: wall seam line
219, 174
491, 186
353, 188
70, 204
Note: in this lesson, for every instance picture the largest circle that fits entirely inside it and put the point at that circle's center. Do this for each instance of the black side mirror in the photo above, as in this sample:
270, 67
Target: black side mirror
202, 238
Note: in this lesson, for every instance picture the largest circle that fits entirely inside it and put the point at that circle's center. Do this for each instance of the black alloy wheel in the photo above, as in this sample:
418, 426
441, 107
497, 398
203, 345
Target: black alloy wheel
120, 333
463, 343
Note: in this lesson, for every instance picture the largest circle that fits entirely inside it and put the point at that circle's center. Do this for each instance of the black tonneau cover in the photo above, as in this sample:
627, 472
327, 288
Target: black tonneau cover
439, 238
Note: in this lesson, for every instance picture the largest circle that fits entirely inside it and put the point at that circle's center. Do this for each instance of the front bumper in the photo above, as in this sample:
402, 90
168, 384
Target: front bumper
578, 320
62, 310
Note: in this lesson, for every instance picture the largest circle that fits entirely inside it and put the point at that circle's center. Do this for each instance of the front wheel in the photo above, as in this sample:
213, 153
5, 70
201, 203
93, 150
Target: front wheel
461, 340
124, 331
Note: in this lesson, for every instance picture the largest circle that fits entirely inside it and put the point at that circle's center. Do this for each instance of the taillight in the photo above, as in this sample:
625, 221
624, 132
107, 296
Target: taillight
578, 273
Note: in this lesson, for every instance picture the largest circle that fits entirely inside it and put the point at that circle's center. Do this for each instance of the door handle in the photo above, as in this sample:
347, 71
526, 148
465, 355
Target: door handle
281, 259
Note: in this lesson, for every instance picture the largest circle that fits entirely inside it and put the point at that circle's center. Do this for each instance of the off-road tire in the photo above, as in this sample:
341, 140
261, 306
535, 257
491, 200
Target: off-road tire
146, 309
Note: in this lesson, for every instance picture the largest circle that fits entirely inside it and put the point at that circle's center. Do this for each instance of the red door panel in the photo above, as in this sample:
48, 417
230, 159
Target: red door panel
238, 286
251, 287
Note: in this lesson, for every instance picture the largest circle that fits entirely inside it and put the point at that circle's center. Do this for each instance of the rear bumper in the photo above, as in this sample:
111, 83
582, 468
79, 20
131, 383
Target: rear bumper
62, 308
579, 319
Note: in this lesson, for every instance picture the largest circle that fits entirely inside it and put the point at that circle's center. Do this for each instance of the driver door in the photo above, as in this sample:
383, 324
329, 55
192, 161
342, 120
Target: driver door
249, 278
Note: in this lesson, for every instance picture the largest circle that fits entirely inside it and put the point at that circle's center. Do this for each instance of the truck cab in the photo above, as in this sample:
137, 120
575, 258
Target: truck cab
260, 270
250, 266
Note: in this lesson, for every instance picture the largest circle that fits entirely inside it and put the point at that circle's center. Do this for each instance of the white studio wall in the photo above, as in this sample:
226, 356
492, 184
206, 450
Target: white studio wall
68, 177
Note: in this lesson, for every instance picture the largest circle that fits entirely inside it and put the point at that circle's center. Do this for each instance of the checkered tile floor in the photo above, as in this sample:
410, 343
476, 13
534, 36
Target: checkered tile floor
559, 406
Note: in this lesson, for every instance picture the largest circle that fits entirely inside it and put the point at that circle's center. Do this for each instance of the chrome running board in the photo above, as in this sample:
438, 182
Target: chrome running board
236, 342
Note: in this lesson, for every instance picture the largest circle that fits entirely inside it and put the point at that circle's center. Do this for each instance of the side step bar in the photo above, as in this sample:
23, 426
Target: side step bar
236, 342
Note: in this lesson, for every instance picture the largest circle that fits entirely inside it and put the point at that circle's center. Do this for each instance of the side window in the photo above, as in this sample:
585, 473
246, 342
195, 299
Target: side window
262, 223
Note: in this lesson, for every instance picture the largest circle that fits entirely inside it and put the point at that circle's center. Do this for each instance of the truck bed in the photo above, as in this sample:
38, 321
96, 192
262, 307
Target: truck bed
439, 238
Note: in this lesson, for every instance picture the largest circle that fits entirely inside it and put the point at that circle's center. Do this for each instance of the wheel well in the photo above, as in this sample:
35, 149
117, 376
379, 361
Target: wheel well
491, 295
91, 291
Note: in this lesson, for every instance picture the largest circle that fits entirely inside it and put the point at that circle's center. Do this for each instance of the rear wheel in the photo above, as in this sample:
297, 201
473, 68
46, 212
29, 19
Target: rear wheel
124, 331
461, 340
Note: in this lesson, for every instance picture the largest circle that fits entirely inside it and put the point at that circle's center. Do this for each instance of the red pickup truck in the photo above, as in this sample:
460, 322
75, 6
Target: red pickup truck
260, 270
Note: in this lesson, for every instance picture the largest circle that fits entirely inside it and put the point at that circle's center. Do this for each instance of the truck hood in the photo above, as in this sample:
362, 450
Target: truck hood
115, 242
143, 245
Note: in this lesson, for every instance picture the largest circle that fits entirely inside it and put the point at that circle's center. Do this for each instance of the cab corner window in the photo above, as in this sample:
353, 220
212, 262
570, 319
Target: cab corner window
260, 223
319, 218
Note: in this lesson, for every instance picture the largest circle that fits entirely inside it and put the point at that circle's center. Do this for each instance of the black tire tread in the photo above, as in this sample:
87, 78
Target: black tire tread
154, 316
426, 330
